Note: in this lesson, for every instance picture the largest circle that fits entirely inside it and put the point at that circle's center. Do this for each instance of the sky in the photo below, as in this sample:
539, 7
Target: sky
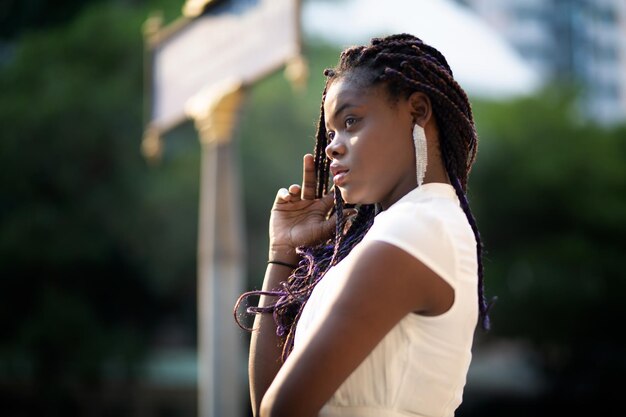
481, 60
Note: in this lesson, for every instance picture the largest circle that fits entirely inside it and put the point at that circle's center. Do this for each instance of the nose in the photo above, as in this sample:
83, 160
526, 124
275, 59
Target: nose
335, 148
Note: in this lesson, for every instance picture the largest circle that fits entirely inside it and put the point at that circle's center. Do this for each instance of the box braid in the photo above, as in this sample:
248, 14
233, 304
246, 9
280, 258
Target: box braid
406, 65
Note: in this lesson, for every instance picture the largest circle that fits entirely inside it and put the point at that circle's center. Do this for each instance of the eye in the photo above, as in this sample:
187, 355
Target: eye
330, 135
349, 122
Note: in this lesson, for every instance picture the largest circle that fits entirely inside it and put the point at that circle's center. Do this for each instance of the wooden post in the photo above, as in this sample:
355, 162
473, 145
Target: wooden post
198, 65
221, 254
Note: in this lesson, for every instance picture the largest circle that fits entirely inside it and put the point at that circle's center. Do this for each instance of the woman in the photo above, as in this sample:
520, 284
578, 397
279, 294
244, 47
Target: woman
374, 307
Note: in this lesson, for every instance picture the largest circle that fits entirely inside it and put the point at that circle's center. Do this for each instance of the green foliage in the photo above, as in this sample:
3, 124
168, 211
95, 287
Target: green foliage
17, 16
92, 246
549, 193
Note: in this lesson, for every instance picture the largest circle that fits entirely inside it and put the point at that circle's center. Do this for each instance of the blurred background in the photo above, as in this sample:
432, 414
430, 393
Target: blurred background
98, 246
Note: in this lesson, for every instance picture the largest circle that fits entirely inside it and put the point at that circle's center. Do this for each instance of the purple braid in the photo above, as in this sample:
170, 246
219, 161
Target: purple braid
405, 65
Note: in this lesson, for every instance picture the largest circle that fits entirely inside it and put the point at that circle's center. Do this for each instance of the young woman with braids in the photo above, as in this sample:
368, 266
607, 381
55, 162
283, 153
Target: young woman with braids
374, 287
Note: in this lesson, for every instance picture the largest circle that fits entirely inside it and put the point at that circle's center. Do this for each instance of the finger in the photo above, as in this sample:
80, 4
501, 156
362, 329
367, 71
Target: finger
308, 177
294, 191
282, 196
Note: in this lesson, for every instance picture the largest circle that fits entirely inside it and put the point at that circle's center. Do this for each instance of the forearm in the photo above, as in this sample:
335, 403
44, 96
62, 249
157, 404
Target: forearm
265, 345
297, 219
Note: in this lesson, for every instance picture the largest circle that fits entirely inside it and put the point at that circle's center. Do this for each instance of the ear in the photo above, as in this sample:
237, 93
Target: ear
420, 108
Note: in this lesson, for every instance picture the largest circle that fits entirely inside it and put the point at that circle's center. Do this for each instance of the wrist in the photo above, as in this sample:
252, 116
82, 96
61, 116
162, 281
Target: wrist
283, 254
285, 264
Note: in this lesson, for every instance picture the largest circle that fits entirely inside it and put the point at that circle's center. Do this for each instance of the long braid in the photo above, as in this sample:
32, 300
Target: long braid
458, 139
415, 66
405, 64
479, 249
321, 161
454, 116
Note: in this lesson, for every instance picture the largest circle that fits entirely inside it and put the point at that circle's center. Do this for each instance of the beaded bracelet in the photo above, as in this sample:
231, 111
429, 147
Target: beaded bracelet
283, 264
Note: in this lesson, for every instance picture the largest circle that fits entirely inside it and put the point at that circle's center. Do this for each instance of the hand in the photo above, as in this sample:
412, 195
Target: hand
298, 218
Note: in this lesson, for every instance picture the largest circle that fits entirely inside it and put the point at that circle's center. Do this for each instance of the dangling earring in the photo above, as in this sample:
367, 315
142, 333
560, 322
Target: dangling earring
421, 158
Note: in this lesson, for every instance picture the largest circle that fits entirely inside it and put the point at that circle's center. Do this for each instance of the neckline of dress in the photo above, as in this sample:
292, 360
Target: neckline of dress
429, 190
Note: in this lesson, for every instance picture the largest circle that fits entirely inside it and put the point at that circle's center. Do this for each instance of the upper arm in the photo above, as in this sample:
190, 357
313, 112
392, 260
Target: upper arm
382, 285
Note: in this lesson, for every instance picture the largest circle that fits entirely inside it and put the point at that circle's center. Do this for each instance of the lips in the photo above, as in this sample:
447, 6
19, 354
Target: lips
337, 169
339, 173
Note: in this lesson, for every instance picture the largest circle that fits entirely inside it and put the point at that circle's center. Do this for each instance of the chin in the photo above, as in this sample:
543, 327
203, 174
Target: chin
347, 196
354, 198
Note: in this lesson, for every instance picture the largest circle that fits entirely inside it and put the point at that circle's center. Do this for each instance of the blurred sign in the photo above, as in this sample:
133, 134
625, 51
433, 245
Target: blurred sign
239, 39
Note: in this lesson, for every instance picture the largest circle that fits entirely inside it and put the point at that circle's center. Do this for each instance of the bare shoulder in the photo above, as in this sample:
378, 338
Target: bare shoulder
399, 280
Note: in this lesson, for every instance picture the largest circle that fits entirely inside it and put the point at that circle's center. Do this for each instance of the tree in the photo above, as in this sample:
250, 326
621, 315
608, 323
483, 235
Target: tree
550, 197
82, 217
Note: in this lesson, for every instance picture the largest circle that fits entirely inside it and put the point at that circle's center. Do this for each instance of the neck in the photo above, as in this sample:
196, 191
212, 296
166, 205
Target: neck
436, 171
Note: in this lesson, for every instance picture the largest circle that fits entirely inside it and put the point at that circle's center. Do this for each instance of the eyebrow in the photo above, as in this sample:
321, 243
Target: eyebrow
341, 108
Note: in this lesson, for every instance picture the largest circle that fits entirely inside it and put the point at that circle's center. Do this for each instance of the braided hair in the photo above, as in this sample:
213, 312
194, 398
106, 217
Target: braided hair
405, 65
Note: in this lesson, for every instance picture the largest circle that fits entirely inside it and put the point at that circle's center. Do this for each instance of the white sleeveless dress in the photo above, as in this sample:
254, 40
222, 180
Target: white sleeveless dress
420, 366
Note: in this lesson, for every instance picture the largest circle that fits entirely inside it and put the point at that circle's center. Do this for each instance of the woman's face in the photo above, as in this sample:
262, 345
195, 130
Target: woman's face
370, 143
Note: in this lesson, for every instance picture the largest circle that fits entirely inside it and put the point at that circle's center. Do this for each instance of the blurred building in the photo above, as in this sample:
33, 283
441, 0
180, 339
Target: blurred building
583, 41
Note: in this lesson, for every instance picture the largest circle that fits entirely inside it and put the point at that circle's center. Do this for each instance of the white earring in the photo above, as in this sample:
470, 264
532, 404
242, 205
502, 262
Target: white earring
421, 158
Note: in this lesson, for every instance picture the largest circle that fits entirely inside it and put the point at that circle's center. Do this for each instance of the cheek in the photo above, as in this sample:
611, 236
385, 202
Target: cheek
399, 152
401, 138
397, 141
382, 144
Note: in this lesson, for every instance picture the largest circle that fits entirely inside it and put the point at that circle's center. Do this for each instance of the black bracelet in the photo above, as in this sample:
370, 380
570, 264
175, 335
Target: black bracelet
283, 264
